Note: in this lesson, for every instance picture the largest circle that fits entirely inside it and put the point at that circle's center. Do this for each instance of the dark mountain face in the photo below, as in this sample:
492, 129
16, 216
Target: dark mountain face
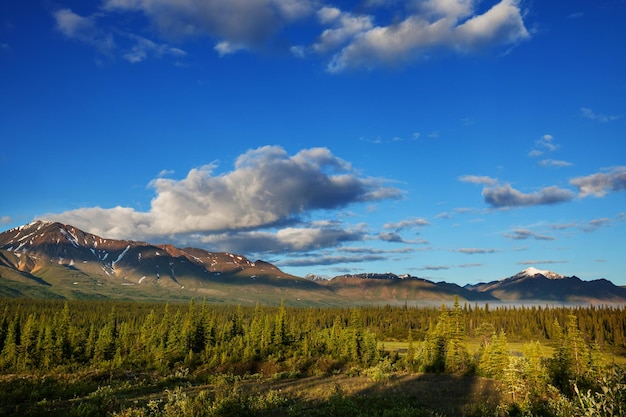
538, 285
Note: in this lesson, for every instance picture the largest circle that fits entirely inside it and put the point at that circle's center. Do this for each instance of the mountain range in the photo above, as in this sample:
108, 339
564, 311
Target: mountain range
54, 260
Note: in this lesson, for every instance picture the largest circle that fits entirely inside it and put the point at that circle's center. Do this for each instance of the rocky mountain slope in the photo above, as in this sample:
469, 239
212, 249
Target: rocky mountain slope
44, 259
67, 262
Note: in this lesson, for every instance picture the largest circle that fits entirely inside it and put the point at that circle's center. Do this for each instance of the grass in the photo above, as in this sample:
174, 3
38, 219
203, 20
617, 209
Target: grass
99, 394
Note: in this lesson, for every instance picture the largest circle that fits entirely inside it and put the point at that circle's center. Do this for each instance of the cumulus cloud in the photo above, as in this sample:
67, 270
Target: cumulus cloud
356, 39
352, 39
523, 234
267, 189
447, 24
507, 196
601, 183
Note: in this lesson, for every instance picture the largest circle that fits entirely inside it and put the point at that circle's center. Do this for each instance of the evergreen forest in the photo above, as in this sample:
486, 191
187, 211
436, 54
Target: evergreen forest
111, 358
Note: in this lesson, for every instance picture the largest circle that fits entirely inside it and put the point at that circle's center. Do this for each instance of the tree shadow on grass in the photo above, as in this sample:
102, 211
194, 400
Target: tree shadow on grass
439, 394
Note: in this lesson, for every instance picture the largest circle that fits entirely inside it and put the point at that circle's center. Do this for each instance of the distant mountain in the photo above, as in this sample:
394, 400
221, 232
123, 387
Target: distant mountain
45, 259
541, 285
394, 289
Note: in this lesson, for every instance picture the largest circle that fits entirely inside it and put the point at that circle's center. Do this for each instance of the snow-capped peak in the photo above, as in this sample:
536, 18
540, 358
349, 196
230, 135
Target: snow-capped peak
531, 272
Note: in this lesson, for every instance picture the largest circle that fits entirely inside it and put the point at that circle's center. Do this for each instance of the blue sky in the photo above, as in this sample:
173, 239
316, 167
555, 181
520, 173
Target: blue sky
453, 140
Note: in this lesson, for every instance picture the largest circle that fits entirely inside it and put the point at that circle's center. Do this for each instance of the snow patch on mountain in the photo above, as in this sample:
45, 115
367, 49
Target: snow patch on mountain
119, 258
531, 272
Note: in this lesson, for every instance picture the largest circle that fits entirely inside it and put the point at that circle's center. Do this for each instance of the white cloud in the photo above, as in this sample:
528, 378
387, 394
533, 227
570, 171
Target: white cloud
507, 196
289, 239
601, 183
523, 234
554, 163
541, 262
236, 24
544, 144
351, 39
6, 219
133, 48
590, 114
476, 251
144, 48
228, 48
407, 224
441, 24
83, 29
327, 14
344, 27
478, 179
267, 189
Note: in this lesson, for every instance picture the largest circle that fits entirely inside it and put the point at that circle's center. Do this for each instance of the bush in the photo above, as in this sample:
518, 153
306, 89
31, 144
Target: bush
608, 400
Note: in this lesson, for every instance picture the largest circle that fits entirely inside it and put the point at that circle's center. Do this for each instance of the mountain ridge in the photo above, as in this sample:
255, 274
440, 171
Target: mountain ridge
50, 259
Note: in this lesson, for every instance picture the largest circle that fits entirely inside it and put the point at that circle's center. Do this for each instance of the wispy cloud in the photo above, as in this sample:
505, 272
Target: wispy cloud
352, 255
478, 179
329, 260
407, 224
447, 267
541, 262
523, 234
576, 15
6, 219
590, 114
110, 41
144, 48
595, 224
554, 163
84, 29
476, 251
434, 268
545, 144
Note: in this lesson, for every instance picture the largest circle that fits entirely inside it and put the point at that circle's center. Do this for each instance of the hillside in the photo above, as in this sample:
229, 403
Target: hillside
53, 260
